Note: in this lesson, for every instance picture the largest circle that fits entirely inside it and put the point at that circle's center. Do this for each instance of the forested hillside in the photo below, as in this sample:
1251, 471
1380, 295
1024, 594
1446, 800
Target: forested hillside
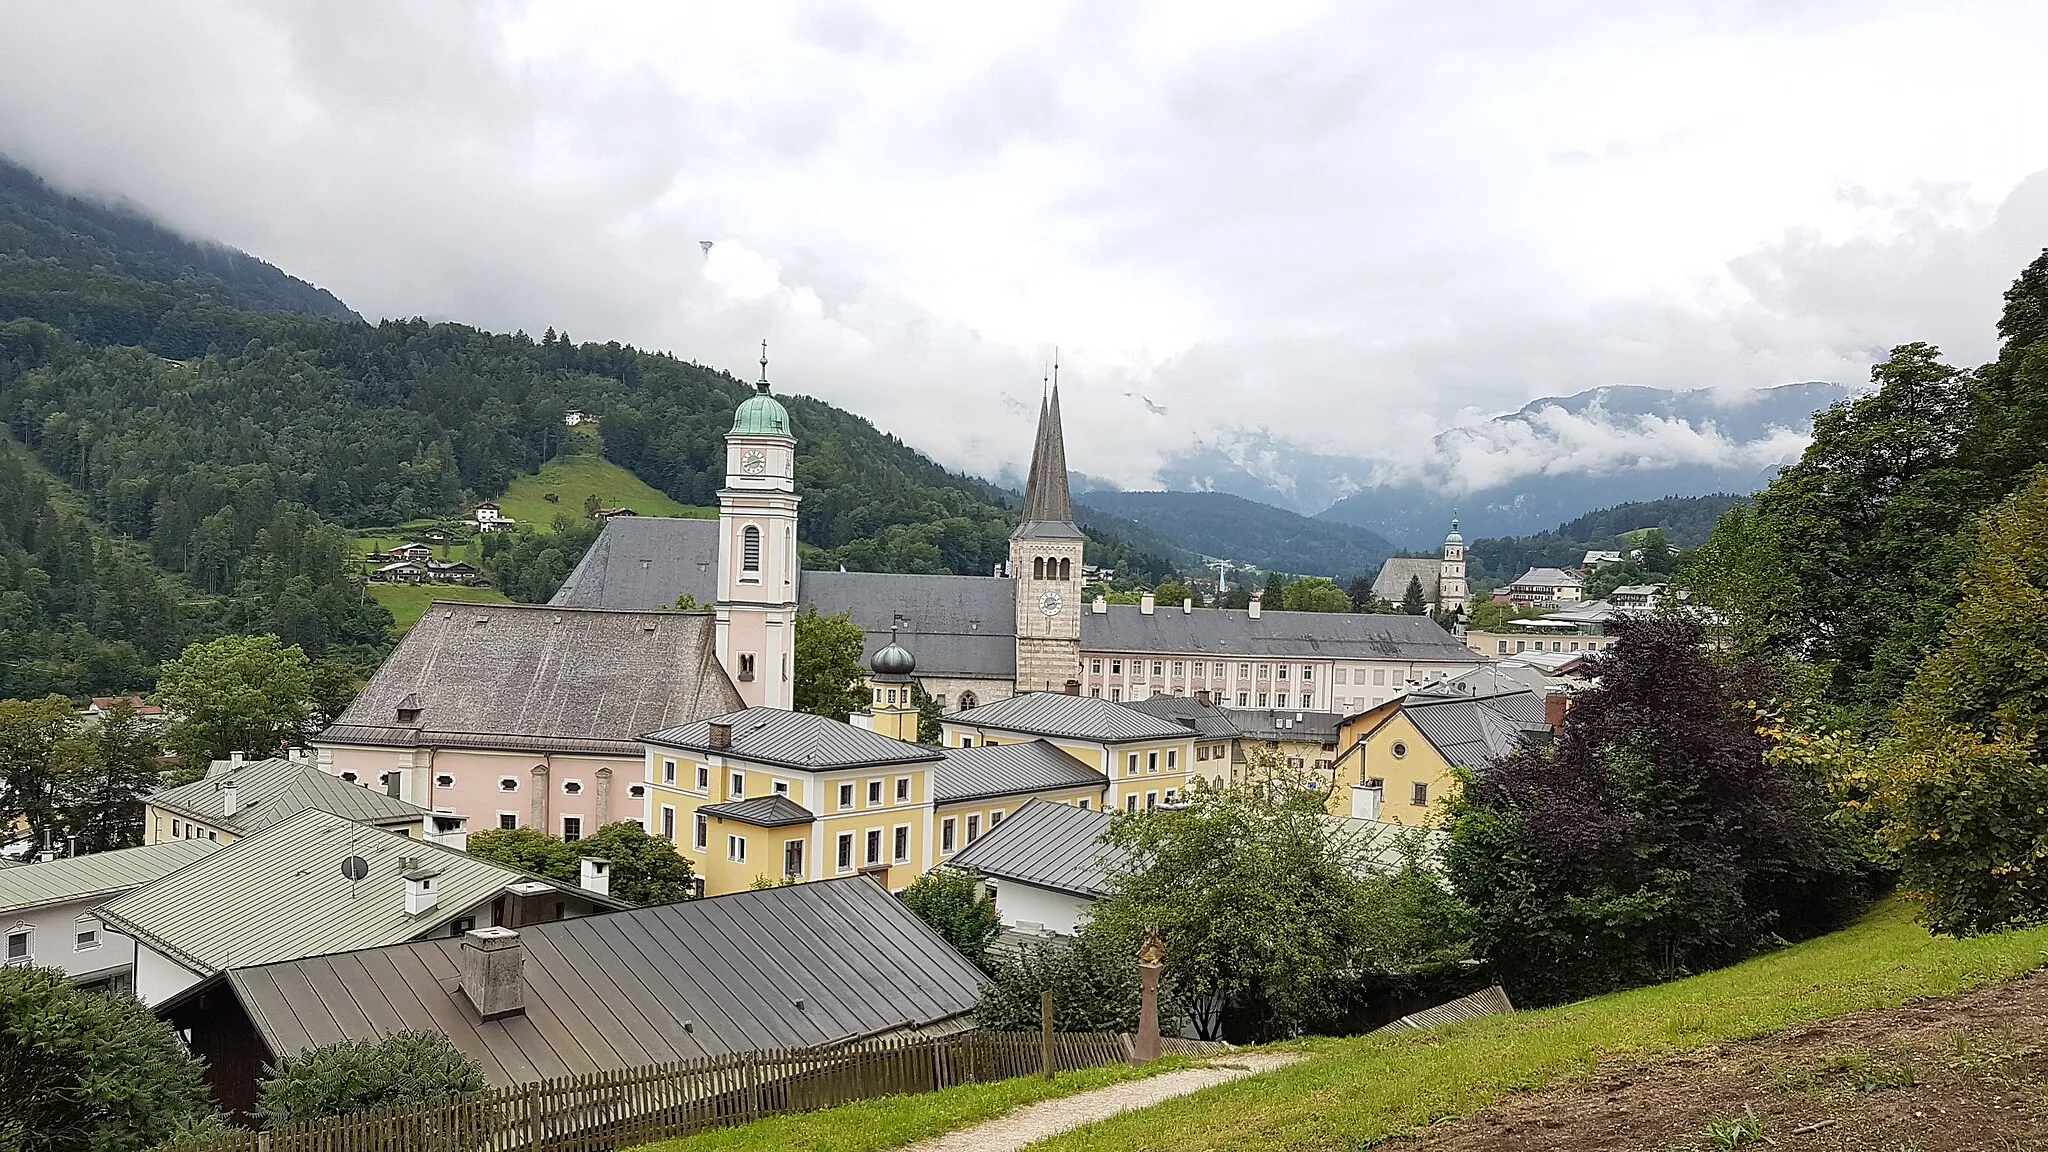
1686, 520
1273, 539
39, 222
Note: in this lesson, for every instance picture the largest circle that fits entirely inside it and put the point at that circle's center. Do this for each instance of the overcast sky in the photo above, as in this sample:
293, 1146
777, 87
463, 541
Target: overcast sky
1352, 225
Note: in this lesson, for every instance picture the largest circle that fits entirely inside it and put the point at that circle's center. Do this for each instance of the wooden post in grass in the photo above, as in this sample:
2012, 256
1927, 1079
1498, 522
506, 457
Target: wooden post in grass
1045, 1027
1145, 1047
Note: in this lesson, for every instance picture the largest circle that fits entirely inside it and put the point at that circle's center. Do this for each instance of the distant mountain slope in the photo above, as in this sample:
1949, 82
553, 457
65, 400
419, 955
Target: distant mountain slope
39, 222
1248, 532
1686, 521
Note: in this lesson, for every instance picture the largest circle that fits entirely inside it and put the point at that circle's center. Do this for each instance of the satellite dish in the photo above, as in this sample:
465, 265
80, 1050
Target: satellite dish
354, 868
706, 245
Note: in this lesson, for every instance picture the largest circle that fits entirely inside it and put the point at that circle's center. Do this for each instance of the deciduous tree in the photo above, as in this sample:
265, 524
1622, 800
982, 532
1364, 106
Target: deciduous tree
951, 904
1316, 594
829, 679
644, 869
236, 694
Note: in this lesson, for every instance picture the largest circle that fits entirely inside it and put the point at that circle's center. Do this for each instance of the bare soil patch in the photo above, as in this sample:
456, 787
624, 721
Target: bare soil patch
1956, 1074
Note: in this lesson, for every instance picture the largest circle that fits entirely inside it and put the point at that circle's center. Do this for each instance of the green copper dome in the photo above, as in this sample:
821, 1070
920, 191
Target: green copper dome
1454, 538
761, 415
895, 660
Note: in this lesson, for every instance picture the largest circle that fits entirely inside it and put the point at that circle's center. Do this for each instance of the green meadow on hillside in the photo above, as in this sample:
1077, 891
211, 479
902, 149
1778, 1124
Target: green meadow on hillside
572, 478
408, 602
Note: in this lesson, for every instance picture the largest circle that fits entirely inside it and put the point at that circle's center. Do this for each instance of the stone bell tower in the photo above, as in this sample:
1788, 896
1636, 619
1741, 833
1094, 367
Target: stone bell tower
1045, 561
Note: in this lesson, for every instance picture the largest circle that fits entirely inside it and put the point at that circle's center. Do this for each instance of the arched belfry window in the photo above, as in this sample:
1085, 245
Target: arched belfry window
750, 549
1066, 568
967, 701
1038, 567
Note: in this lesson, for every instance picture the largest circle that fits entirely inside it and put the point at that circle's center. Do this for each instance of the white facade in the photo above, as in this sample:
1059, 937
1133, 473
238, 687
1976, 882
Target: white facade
1252, 682
70, 937
757, 567
158, 977
1028, 908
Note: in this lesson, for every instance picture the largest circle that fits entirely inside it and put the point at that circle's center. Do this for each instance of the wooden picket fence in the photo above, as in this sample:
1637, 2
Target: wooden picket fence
609, 1110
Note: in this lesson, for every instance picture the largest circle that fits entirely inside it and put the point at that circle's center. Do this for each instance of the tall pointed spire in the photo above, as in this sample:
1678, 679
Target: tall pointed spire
1048, 507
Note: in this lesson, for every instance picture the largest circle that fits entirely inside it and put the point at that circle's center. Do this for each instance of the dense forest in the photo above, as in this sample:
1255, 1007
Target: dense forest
1685, 520
1271, 539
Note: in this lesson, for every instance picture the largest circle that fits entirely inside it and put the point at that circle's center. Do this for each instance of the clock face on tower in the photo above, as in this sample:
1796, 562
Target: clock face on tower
754, 462
1049, 603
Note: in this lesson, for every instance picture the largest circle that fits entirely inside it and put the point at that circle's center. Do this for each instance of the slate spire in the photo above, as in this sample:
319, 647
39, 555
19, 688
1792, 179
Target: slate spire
1048, 509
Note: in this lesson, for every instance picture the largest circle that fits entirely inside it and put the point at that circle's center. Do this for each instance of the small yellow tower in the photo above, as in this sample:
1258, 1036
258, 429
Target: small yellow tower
894, 710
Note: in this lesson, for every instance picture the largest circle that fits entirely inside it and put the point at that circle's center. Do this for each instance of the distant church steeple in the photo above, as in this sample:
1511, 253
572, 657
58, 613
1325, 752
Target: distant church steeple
1048, 507
1046, 552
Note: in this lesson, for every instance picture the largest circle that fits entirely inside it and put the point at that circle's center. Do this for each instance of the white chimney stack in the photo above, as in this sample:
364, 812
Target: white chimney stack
1257, 599
1187, 606
1146, 604
447, 829
597, 875
1099, 606
492, 972
230, 800
421, 893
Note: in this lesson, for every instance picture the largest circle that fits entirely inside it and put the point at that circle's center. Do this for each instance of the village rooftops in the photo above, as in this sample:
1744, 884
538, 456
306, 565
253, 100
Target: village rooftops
1230, 633
791, 740
1060, 716
539, 678
267, 791
1047, 845
642, 563
1546, 578
281, 894
1009, 770
98, 874
1206, 721
1471, 731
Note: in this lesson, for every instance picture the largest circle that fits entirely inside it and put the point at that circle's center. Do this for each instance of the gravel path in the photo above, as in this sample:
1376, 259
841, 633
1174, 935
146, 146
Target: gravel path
1035, 1122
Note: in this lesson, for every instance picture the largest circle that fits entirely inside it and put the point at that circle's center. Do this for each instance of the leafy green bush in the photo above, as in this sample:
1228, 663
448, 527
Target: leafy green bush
90, 1072
951, 903
1093, 981
358, 1075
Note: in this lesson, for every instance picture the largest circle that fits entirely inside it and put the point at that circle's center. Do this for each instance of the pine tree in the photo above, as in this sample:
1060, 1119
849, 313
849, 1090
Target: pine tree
1412, 602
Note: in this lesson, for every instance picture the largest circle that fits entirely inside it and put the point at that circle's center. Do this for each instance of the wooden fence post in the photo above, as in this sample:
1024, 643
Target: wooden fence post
750, 1068
1045, 1028
529, 1103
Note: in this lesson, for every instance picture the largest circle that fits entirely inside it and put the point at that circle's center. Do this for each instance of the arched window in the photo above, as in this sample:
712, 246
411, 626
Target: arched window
1066, 569
1038, 567
750, 549
967, 701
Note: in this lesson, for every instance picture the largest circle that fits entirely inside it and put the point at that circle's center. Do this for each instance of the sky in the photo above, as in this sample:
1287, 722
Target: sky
1347, 227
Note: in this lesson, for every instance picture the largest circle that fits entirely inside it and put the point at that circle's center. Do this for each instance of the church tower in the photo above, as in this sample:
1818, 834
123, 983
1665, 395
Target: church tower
1045, 561
757, 563
1450, 580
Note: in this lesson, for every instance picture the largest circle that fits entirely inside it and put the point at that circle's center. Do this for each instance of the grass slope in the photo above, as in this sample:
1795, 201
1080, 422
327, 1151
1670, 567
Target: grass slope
571, 478
1355, 1093
896, 1121
407, 603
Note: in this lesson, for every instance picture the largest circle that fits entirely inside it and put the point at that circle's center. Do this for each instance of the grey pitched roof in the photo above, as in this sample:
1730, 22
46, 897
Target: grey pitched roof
280, 895
99, 874
1007, 770
954, 625
1047, 845
642, 563
1391, 584
1048, 509
541, 678
267, 791
1472, 731
1208, 721
795, 740
1547, 578
1235, 635
1071, 717
772, 811
1287, 724
788, 967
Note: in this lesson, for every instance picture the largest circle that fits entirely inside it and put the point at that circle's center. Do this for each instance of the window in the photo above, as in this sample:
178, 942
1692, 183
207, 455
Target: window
750, 551
1131, 802
902, 789
86, 934
444, 781
1379, 676
1131, 766
1066, 568
1307, 700
781, 787
703, 778
846, 851
746, 665
966, 741
1503, 647
668, 771
736, 786
1172, 759
461, 925
1116, 694
1172, 794
508, 820
901, 847
946, 835
1244, 699
1219, 671
177, 830
1265, 671
697, 887
973, 829
968, 701
874, 855
700, 833
17, 945
845, 796
995, 818
874, 793
1400, 750
1201, 752
1180, 668
1151, 763
572, 827
1116, 667
792, 857
572, 787
736, 849
1263, 699
668, 823
1575, 646
349, 776
1283, 672
636, 791
508, 784
1095, 667
1420, 794
1159, 667
1151, 801
1082, 803
1308, 672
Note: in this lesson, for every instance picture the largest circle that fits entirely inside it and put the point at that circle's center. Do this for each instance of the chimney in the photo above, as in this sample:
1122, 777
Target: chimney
491, 972
1257, 599
721, 734
1555, 705
1202, 697
1146, 604
237, 756
447, 829
230, 800
597, 875
1099, 606
421, 896
1188, 605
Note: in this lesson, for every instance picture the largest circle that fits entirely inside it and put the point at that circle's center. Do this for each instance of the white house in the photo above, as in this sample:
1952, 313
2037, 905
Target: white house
489, 518
1044, 867
49, 912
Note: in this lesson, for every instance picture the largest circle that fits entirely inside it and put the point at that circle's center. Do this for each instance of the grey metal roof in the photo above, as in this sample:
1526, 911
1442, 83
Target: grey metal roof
99, 874
1546, 578
1047, 845
1009, 769
954, 625
643, 563
786, 967
795, 740
1233, 634
1287, 724
1472, 731
280, 895
540, 677
1395, 574
267, 791
1071, 717
773, 811
1209, 721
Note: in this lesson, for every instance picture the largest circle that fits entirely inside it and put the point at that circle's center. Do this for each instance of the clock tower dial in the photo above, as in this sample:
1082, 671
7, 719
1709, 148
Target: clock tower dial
754, 462
1050, 604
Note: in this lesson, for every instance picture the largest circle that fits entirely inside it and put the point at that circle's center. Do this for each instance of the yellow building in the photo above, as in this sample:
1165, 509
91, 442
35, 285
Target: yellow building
1399, 758
238, 798
1146, 759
